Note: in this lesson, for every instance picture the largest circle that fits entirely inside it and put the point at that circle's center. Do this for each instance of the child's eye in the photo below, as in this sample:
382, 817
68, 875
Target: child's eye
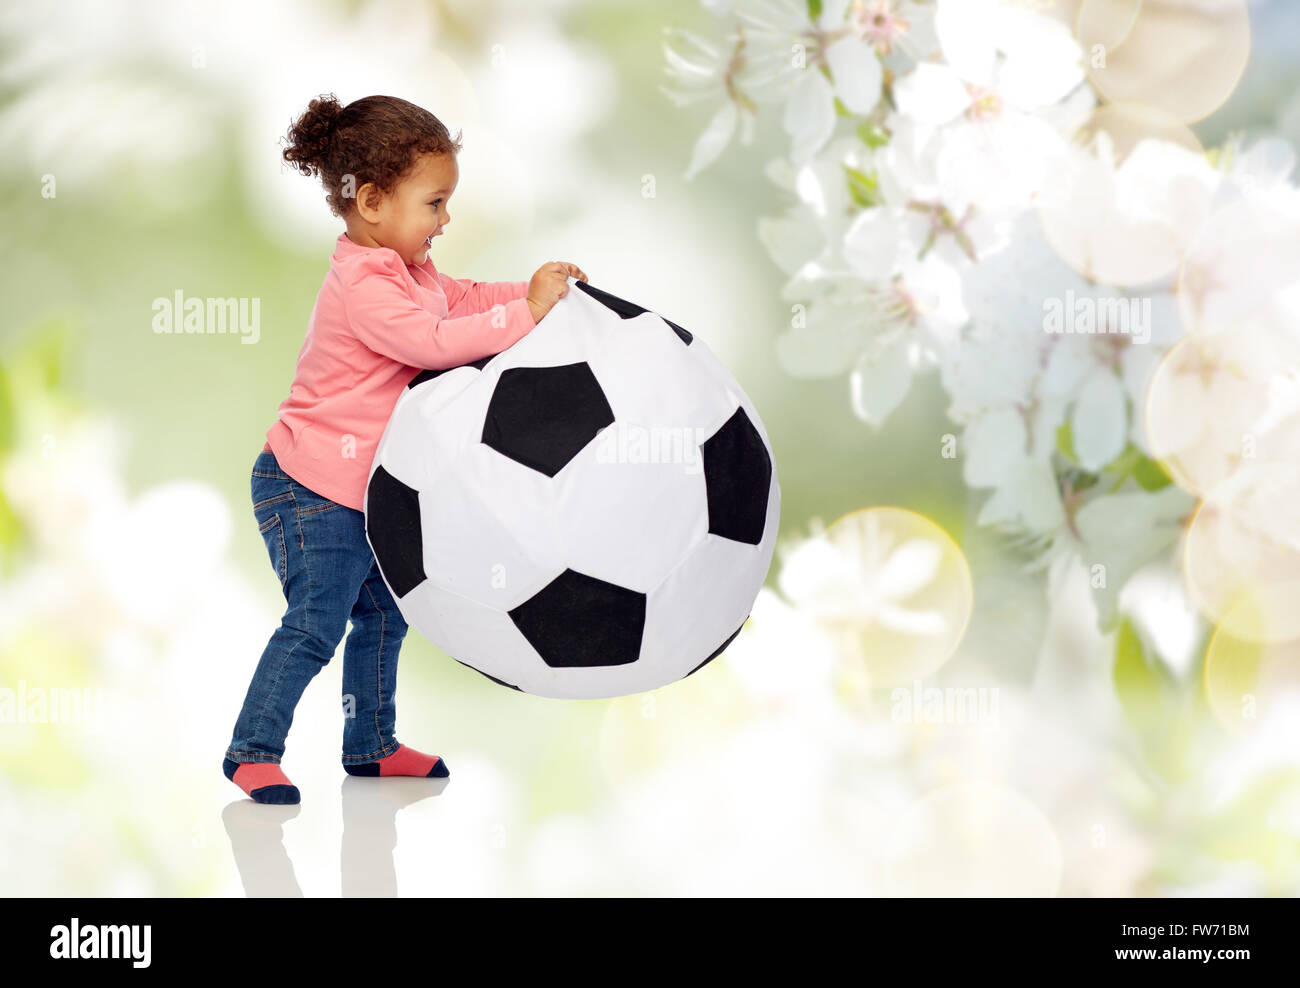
435, 202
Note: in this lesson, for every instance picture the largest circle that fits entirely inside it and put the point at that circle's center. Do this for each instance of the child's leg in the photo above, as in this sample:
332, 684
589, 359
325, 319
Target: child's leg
370, 672
320, 555
369, 686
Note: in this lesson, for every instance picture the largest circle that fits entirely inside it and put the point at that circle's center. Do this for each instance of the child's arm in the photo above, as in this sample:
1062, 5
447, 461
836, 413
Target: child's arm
389, 321
466, 296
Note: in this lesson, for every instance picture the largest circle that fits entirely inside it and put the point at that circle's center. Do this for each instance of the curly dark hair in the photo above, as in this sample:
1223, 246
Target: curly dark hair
374, 139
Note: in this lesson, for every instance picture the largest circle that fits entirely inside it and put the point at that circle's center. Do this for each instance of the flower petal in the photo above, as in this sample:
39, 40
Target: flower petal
714, 140
994, 443
1099, 422
880, 382
809, 115
1028, 499
931, 94
857, 72
874, 243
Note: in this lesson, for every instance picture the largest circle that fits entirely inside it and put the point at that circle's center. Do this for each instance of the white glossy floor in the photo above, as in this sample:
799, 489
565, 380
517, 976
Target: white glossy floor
369, 809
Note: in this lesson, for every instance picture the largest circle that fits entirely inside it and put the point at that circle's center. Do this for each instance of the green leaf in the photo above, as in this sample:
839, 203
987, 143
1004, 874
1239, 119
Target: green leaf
814, 10
1081, 480
1164, 720
872, 134
864, 188
841, 110
1065, 441
1150, 475
1136, 680
1146, 472
1123, 464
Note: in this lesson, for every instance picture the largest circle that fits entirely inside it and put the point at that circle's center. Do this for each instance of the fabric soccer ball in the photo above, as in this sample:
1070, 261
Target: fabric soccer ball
589, 513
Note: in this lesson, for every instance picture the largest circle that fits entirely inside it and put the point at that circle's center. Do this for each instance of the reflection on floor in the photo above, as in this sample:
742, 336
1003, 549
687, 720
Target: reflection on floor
370, 806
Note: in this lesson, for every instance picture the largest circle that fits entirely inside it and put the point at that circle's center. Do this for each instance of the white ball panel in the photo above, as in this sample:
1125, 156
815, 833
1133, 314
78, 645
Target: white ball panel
475, 633
520, 498
706, 598
449, 428
409, 461
471, 551
628, 523
436, 393
681, 393
576, 331
720, 375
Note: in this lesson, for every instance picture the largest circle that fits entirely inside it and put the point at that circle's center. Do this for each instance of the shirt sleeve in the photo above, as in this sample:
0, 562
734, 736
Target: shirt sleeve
465, 296
389, 321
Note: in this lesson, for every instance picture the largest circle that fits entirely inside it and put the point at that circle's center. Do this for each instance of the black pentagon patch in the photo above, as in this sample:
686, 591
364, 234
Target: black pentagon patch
542, 417
626, 309
737, 474
685, 335
429, 375
719, 650
398, 544
482, 673
578, 621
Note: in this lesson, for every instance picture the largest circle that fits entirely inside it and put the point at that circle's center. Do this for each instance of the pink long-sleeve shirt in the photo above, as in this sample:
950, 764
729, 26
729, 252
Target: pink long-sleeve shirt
378, 322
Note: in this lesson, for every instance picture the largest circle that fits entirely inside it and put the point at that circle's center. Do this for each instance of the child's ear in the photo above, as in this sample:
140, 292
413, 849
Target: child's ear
369, 199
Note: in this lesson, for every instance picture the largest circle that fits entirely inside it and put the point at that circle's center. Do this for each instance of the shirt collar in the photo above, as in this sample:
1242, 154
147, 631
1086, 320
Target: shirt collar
345, 247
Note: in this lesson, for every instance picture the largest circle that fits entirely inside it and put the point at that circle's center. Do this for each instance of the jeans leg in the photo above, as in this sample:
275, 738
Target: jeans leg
370, 672
316, 549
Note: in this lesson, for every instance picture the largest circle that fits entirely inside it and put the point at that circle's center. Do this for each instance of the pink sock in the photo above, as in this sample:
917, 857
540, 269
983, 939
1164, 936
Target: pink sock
262, 782
404, 761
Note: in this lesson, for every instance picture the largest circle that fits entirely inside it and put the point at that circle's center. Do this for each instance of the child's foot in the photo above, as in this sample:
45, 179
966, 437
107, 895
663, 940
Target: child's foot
403, 761
262, 782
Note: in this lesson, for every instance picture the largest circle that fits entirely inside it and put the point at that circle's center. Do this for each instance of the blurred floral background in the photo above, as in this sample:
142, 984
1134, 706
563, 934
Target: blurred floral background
1015, 285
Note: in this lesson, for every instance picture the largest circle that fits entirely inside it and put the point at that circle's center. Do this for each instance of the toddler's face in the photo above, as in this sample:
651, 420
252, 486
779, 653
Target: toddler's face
416, 211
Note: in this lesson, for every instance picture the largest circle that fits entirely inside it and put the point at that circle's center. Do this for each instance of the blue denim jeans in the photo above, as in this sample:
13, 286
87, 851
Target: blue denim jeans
328, 575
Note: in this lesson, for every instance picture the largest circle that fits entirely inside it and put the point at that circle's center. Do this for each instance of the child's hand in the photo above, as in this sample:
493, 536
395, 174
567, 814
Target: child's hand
550, 284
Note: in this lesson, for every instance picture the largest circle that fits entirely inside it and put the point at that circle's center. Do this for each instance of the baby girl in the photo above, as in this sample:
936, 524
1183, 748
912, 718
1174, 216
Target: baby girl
383, 314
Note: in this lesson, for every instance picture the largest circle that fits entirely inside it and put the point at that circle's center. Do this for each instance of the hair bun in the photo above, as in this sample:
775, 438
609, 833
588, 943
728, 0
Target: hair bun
312, 134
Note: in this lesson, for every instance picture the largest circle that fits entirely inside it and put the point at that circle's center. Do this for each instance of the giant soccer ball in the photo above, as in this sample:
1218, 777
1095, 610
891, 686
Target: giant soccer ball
589, 513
